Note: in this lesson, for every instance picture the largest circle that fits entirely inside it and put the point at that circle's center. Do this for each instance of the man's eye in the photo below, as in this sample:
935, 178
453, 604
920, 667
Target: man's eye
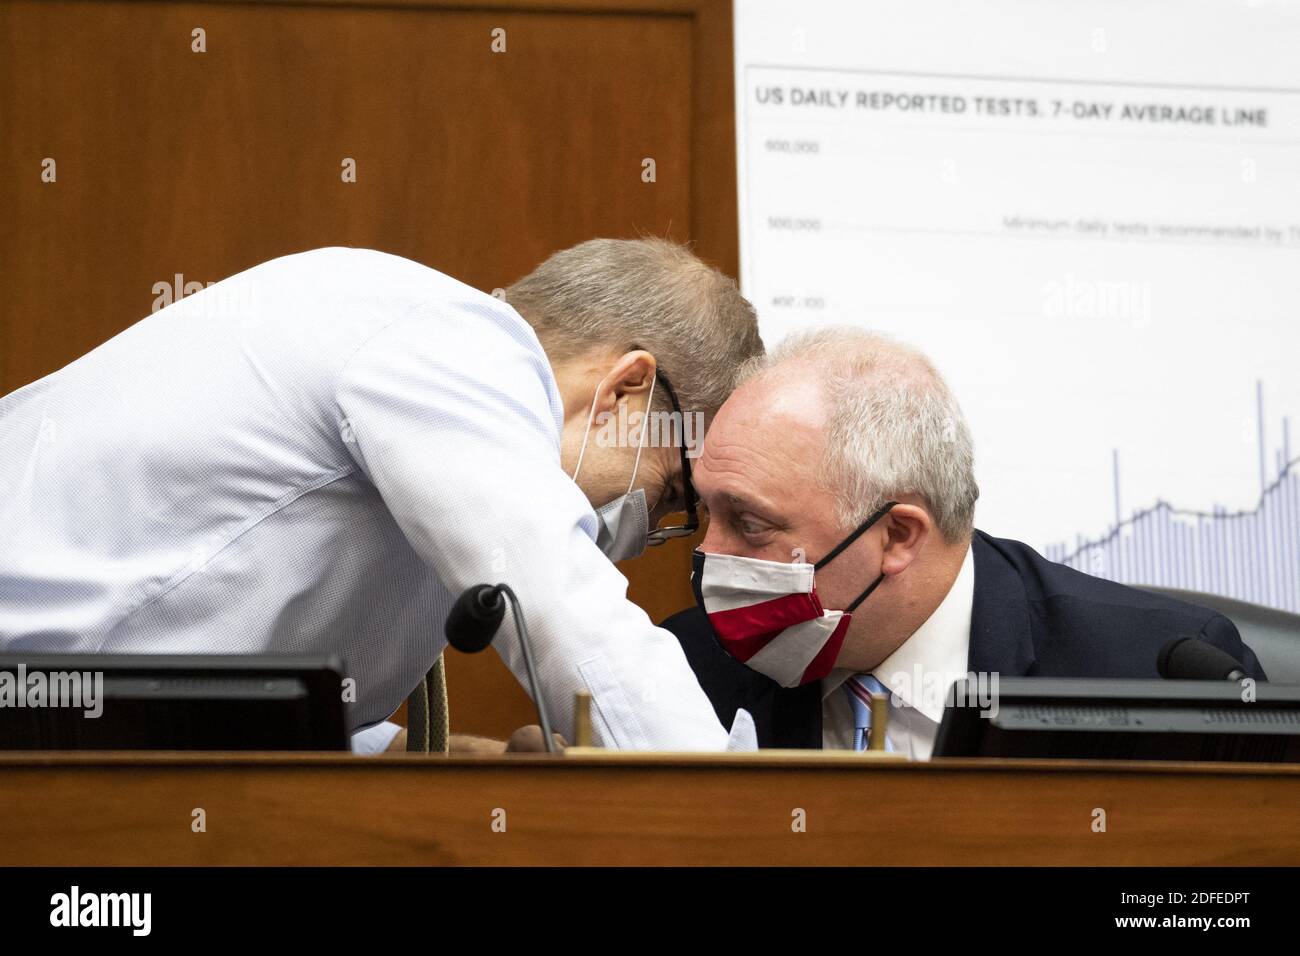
750, 527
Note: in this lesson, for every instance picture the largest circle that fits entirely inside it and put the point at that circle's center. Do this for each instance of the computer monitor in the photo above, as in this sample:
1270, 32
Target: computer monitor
184, 702
1121, 720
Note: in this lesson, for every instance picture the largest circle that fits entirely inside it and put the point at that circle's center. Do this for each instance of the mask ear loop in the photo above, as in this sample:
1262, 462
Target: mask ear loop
861, 529
591, 416
640, 442
865, 594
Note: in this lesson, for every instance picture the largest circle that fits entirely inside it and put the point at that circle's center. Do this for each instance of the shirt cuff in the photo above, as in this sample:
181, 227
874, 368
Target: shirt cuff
744, 735
374, 740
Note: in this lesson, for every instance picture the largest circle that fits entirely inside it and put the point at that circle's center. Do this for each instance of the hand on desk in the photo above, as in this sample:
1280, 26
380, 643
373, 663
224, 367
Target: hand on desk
524, 740
530, 740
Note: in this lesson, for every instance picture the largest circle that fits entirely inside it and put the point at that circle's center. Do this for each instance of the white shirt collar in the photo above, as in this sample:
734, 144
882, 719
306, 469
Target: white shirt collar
922, 669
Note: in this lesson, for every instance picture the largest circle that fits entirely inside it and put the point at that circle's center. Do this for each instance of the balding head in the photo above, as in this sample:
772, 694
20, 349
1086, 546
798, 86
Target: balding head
891, 428
651, 294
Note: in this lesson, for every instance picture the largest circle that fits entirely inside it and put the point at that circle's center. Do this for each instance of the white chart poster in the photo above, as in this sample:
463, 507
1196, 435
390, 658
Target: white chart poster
1088, 215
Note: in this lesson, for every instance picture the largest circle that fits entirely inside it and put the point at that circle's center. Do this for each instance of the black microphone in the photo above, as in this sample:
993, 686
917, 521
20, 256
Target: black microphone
1190, 658
475, 619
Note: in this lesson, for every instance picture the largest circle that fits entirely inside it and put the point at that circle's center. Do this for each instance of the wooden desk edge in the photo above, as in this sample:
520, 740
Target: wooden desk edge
587, 759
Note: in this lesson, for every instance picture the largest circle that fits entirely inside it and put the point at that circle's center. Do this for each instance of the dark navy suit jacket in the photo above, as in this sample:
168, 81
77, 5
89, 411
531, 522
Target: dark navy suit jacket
1031, 617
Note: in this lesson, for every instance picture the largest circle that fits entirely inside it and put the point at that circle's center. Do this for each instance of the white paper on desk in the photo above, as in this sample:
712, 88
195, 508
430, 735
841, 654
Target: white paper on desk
744, 736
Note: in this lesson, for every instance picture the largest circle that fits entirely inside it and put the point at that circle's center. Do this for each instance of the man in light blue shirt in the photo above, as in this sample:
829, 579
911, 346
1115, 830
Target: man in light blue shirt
318, 455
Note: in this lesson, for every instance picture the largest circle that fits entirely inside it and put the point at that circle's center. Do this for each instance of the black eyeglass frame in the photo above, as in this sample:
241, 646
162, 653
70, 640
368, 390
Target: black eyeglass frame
658, 536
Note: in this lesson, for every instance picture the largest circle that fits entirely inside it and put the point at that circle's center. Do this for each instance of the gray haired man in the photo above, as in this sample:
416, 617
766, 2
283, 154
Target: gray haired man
842, 559
320, 454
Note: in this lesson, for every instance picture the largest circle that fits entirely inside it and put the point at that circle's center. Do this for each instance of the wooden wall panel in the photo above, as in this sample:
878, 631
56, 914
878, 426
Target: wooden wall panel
476, 163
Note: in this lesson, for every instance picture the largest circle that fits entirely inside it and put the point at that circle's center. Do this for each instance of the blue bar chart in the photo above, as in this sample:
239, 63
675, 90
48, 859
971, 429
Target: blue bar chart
1252, 554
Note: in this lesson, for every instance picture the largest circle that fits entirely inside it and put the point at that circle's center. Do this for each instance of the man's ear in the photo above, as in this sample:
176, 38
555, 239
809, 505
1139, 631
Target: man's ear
906, 527
631, 375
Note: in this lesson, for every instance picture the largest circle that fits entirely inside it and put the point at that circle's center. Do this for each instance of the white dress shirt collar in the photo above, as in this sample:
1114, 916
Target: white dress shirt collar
921, 670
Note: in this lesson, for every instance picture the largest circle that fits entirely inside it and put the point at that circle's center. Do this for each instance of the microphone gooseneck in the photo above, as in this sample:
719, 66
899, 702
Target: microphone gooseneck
474, 621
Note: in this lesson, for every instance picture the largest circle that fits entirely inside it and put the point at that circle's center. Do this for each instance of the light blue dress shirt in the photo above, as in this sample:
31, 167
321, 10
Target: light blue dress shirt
317, 456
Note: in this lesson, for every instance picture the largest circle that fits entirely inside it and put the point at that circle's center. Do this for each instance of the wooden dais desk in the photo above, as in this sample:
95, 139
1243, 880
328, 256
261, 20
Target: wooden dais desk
66, 809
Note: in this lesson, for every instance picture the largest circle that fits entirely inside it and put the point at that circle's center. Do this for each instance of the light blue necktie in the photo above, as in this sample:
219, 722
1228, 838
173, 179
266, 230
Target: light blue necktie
860, 687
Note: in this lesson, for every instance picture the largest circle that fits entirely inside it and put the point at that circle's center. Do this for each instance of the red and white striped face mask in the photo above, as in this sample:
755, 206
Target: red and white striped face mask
767, 615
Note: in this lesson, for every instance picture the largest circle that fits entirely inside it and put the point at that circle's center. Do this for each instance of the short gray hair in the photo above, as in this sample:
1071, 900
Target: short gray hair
893, 426
651, 294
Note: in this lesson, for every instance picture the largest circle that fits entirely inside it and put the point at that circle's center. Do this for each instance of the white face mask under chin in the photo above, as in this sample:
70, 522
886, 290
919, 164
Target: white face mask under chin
623, 525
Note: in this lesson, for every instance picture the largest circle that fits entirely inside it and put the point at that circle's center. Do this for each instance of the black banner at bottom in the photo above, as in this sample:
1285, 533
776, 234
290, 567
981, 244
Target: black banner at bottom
645, 906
